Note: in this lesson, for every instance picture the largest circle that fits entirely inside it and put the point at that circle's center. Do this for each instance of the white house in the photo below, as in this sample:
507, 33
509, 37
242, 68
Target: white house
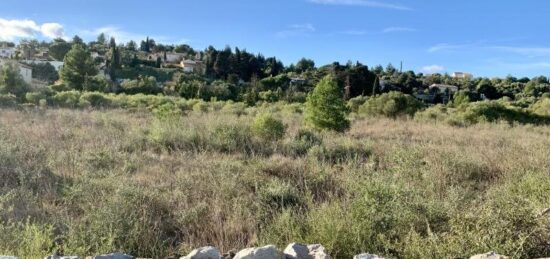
7, 52
442, 88
172, 57
462, 75
56, 64
191, 66
24, 70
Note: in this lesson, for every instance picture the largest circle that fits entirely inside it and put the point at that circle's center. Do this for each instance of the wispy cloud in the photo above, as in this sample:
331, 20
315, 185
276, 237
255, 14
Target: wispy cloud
297, 30
364, 3
432, 69
526, 51
17, 29
450, 47
398, 29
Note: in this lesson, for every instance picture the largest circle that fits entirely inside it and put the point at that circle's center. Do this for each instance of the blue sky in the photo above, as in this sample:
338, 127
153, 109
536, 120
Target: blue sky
484, 37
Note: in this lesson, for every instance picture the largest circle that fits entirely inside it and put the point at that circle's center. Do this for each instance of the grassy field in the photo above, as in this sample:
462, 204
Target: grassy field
95, 181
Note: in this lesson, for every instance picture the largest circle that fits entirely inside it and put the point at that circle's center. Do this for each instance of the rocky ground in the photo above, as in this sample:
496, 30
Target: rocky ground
292, 251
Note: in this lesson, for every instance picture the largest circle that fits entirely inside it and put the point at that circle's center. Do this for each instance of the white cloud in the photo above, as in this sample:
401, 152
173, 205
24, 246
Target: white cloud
432, 69
297, 30
52, 30
364, 3
398, 29
15, 29
449, 47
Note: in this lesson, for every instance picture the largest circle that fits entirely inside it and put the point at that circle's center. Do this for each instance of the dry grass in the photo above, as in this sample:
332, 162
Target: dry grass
115, 180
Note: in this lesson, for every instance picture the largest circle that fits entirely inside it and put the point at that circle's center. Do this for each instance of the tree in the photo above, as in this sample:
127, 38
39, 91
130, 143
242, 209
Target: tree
77, 40
44, 72
28, 48
59, 48
325, 107
101, 38
487, 88
114, 58
78, 65
131, 45
304, 65
11, 82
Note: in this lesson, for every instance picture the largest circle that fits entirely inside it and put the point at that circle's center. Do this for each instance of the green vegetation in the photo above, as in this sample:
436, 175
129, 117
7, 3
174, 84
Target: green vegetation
392, 104
325, 108
78, 66
161, 183
154, 159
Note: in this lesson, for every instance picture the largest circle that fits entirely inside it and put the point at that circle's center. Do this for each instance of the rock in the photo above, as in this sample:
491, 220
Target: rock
230, 254
207, 252
61, 257
112, 256
7, 257
317, 251
297, 251
489, 255
367, 256
266, 252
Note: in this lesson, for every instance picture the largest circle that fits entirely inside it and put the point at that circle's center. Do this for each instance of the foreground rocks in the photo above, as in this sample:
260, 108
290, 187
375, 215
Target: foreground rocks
367, 256
207, 252
265, 252
292, 251
61, 257
489, 255
299, 251
111, 256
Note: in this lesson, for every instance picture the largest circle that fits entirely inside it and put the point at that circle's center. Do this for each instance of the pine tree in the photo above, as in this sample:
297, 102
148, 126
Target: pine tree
325, 107
78, 64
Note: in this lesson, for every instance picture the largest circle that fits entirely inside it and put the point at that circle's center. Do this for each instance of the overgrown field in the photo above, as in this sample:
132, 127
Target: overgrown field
156, 184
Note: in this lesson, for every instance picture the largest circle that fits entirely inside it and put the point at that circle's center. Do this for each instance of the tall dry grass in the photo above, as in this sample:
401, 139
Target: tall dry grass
86, 182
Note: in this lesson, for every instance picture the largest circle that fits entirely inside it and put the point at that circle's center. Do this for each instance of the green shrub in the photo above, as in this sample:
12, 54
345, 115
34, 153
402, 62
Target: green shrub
267, 127
95, 99
494, 111
302, 142
355, 103
67, 99
8, 100
542, 107
435, 113
26, 239
392, 104
340, 152
34, 97
325, 107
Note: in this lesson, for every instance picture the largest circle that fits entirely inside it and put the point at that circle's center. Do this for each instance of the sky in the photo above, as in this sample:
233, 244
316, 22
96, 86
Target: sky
484, 37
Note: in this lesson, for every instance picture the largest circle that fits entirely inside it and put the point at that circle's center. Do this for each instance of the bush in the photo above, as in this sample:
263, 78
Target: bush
8, 100
494, 111
34, 97
340, 152
67, 99
325, 108
542, 107
95, 99
267, 127
302, 142
392, 104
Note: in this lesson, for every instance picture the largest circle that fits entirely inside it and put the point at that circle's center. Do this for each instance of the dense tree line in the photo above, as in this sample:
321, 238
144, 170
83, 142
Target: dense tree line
236, 74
